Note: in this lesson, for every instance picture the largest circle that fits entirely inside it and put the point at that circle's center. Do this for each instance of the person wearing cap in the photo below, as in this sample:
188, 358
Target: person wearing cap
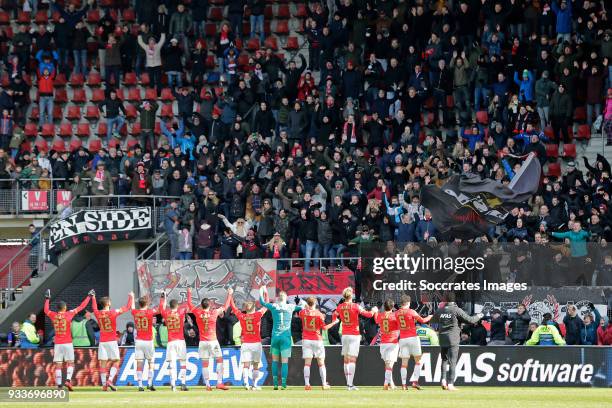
101, 184
525, 84
561, 113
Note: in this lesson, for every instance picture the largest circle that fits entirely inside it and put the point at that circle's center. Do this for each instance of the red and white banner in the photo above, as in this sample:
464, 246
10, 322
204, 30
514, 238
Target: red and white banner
35, 200
63, 197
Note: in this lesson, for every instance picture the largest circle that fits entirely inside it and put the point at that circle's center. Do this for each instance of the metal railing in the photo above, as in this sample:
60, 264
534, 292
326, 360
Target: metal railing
28, 196
157, 250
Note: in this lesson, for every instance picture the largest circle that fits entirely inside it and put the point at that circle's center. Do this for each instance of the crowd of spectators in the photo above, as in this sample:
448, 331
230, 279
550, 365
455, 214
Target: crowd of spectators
285, 156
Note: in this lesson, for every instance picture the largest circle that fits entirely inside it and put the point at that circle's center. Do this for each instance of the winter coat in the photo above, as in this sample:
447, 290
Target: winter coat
519, 325
561, 105
543, 90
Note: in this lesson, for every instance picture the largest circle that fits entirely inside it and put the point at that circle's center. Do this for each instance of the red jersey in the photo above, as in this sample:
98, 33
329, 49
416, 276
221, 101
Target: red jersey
174, 320
250, 323
107, 320
143, 320
406, 320
312, 323
348, 313
61, 321
388, 327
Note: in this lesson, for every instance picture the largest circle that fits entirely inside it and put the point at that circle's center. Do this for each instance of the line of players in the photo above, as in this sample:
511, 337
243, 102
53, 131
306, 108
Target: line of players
398, 337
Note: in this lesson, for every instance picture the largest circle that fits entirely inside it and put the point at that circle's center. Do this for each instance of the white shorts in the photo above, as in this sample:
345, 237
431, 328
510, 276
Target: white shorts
250, 352
388, 352
410, 346
313, 349
144, 350
176, 350
108, 350
63, 352
208, 349
350, 344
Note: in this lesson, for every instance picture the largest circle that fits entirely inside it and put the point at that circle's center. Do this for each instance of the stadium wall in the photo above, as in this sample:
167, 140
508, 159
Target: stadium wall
488, 366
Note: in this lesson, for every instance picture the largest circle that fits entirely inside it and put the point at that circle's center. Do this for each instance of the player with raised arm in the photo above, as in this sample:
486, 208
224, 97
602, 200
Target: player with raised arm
108, 349
348, 313
250, 349
409, 342
174, 317
389, 348
63, 350
280, 344
313, 321
209, 345
144, 348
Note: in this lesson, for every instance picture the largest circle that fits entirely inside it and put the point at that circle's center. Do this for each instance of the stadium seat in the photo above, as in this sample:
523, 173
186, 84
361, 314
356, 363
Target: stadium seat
301, 11
61, 96
75, 144
73, 113
210, 30
92, 113
580, 114
77, 80
150, 94
283, 11
41, 17
210, 62
166, 111
59, 81
65, 129
130, 112
102, 127
23, 17
95, 144
129, 79
31, 129
549, 133
166, 95
41, 144
94, 79
282, 27
215, 14
584, 133
292, 44
243, 61
93, 16
79, 96
268, 12
83, 130
482, 117
58, 145
252, 44
48, 130
552, 151
144, 79
133, 95
128, 15
5, 19
554, 170
34, 114
58, 113
136, 129
569, 151
131, 142
97, 95
271, 42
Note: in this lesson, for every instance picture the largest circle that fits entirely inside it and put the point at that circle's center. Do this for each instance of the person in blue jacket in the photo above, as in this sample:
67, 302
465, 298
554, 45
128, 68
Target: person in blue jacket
526, 85
564, 19
476, 136
588, 332
425, 228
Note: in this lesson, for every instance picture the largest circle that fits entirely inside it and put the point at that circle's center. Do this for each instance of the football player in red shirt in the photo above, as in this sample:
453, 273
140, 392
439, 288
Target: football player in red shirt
313, 321
409, 343
348, 313
144, 348
209, 345
388, 341
63, 351
108, 349
250, 349
174, 318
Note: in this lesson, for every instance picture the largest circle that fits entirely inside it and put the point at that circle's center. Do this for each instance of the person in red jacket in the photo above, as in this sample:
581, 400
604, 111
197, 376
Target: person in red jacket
604, 332
45, 92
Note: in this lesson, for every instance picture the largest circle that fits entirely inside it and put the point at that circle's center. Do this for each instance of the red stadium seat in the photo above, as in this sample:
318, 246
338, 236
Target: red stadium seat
77, 80
93, 16
58, 145
61, 96
243, 61
58, 114
548, 132
5, 19
210, 29
166, 111
584, 133
41, 17
150, 94
271, 42
75, 144
94, 79
253, 44
283, 11
102, 127
92, 113
95, 144
129, 79
97, 95
79, 96
580, 114
282, 28
292, 44
133, 95
130, 112
41, 144
83, 130
554, 170
268, 12
166, 95
59, 81
34, 114
31, 129
552, 151
482, 117
23, 17
66, 129
48, 130
131, 142
144, 79
301, 11
215, 14
569, 151
128, 15
73, 113
136, 129
210, 62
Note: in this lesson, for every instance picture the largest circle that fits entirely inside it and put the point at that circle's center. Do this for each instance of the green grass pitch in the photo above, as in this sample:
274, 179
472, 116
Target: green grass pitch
296, 397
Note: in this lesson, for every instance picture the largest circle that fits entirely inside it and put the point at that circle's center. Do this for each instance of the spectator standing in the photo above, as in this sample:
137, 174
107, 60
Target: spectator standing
153, 61
519, 324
